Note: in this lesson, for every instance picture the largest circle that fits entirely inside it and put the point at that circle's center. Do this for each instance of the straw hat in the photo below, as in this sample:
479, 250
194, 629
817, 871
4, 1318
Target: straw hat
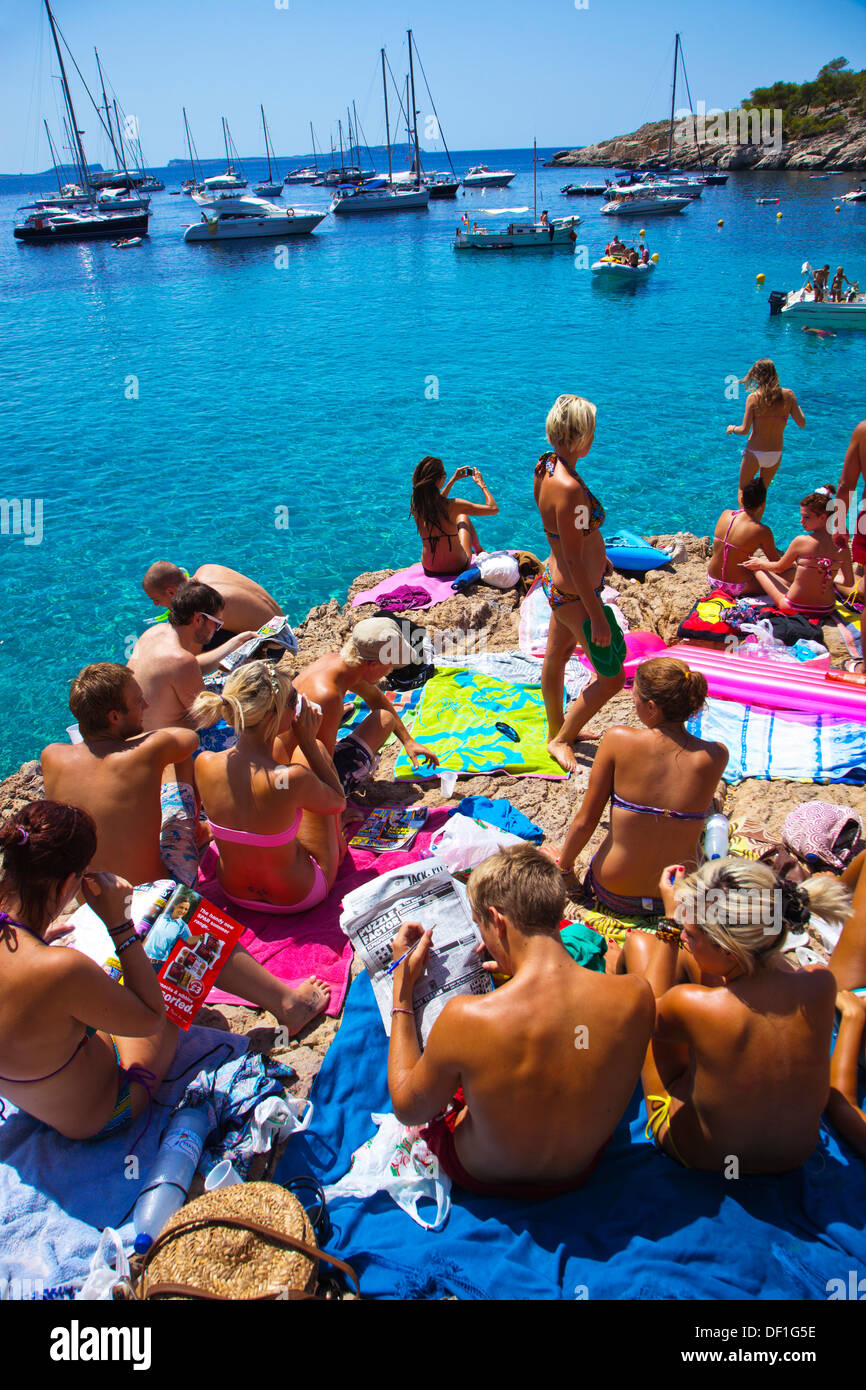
223, 1261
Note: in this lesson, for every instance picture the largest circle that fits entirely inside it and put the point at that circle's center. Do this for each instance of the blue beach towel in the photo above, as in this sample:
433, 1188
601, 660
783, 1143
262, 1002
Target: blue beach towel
769, 744
641, 1227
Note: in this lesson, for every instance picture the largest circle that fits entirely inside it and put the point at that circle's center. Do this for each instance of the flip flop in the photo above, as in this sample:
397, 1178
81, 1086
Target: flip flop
608, 661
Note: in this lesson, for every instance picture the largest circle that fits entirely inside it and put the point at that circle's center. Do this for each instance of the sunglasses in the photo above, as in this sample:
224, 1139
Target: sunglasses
218, 622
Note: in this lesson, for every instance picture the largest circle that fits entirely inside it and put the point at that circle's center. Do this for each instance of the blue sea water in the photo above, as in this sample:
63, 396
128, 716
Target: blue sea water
167, 402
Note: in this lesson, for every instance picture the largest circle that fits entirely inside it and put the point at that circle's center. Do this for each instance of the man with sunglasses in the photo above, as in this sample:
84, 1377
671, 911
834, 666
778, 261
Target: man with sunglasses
167, 659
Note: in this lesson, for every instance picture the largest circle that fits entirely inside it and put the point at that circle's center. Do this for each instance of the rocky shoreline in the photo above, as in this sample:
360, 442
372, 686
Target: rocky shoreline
839, 149
657, 604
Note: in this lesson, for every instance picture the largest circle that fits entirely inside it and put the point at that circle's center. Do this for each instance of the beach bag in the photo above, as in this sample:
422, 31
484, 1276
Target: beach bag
499, 569
251, 1241
465, 842
397, 1160
823, 835
418, 671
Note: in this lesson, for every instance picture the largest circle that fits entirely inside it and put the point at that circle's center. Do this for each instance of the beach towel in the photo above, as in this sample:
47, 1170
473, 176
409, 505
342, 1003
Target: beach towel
437, 589
57, 1194
405, 703
311, 943
640, 1227
774, 744
534, 619
516, 668
707, 619
457, 719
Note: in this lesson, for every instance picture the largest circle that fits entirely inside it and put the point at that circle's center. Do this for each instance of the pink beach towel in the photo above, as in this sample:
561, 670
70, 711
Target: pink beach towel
438, 589
311, 943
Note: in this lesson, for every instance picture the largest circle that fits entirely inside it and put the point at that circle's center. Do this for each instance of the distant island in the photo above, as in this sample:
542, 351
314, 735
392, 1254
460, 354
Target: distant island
823, 126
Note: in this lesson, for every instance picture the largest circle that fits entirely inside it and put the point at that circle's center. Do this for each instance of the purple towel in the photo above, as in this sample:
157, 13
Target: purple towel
405, 596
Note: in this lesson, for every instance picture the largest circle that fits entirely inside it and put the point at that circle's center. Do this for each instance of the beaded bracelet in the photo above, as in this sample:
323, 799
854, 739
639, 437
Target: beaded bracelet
130, 941
668, 929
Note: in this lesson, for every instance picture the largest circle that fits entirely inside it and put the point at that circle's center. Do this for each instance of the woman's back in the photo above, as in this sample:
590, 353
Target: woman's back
736, 538
256, 801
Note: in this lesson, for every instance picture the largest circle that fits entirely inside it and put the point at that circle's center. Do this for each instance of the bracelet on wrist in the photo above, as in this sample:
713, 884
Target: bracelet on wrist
130, 941
127, 925
669, 929
398, 1010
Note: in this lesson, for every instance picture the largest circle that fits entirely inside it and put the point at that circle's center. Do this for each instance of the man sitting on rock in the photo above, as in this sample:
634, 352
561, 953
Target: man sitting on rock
533, 1078
375, 647
246, 605
167, 662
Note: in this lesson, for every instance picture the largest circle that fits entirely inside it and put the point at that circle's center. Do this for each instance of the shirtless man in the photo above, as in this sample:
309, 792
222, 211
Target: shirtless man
116, 775
853, 469
542, 1085
819, 282
165, 660
374, 649
246, 605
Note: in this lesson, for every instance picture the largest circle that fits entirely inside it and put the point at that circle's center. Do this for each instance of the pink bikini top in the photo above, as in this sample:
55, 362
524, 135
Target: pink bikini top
247, 837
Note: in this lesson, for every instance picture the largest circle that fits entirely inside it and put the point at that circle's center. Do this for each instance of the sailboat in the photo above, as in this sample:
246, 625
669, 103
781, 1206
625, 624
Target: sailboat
230, 181
440, 184
307, 174
87, 222
537, 235
273, 186
380, 194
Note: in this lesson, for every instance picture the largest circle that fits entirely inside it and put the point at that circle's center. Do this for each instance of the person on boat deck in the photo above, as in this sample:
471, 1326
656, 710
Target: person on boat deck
740, 1059
529, 1114
815, 559
448, 535
660, 781
644, 254
768, 409
853, 470
277, 828
573, 575
633, 259
78, 1050
375, 647
819, 282
615, 247
167, 659
246, 605
836, 286
739, 533
544, 219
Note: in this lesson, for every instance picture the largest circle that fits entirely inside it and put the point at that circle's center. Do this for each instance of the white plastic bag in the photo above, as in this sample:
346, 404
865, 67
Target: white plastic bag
276, 1118
103, 1275
766, 646
464, 842
398, 1162
499, 569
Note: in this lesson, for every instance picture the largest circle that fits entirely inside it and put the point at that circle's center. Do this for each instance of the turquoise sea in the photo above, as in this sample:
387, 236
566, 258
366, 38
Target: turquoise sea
165, 402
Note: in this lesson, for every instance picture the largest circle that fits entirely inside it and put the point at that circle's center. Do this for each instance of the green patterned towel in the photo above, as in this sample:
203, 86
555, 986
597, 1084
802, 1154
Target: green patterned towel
457, 721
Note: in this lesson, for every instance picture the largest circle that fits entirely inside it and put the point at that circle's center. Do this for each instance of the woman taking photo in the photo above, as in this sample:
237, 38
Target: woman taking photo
449, 538
277, 828
739, 1065
573, 577
77, 1050
768, 409
660, 781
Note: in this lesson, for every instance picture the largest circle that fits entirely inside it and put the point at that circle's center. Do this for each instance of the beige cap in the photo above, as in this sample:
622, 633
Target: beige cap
379, 639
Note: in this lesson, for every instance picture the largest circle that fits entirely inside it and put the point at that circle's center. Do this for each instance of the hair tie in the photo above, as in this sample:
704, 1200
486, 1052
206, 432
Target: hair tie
795, 904
687, 675
275, 685
24, 834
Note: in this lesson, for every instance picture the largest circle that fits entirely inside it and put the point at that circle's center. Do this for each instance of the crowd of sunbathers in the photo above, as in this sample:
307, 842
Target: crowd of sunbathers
520, 1089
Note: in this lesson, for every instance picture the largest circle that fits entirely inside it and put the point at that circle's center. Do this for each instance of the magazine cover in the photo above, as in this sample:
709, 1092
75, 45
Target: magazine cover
387, 830
190, 941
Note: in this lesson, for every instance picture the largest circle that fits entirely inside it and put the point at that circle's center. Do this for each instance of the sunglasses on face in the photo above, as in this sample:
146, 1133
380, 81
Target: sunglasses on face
217, 622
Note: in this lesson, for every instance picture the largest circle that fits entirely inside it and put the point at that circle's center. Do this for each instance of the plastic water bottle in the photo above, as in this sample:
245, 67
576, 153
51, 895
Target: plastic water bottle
716, 837
169, 1179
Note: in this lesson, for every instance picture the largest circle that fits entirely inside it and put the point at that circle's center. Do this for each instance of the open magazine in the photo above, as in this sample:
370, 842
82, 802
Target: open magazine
187, 940
275, 632
386, 830
423, 892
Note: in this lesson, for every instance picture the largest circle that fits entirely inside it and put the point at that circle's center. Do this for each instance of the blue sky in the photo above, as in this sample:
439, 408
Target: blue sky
502, 71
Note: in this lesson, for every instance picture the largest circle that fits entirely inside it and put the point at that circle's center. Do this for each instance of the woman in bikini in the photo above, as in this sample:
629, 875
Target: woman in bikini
768, 409
77, 1050
816, 558
739, 1065
277, 828
660, 781
737, 536
444, 523
573, 576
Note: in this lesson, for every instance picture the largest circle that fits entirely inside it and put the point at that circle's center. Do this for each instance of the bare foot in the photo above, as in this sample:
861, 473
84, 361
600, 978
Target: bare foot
588, 736
303, 1004
562, 753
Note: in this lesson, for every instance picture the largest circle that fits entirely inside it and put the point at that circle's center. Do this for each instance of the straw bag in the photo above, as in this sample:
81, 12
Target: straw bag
252, 1240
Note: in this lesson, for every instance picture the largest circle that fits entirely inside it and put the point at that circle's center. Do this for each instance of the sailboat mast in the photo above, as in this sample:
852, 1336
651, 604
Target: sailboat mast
342, 165
313, 138
74, 134
53, 157
673, 100
265, 133
534, 182
122, 153
387, 122
417, 161
107, 111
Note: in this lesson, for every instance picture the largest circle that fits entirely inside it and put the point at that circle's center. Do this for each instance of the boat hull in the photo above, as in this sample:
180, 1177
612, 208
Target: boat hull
487, 180
646, 207
443, 190
399, 201
617, 273
249, 228
108, 229
560, 238
824, 314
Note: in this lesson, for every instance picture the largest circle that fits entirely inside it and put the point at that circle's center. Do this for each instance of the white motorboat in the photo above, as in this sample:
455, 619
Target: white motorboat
618, 272
674, 185
482, 177
378, 196
224, 183
116, 200
229, 218
644, 204
800, 306
556, 232
301, 176
855, 195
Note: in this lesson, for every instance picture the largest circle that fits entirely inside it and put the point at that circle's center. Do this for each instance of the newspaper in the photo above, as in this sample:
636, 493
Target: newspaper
275, 631
422, 892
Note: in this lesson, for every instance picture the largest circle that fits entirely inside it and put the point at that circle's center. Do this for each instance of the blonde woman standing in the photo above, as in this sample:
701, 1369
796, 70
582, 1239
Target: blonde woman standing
768, 409
574, 574
277, 827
